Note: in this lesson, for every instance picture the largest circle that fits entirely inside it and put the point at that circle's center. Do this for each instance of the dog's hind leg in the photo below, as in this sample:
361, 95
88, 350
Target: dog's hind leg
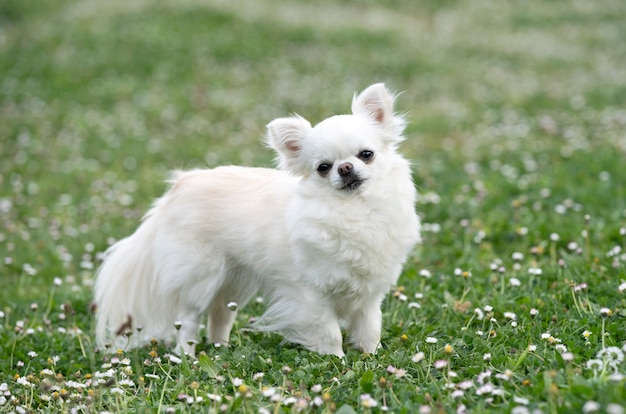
221, 319
187, 327
236, 290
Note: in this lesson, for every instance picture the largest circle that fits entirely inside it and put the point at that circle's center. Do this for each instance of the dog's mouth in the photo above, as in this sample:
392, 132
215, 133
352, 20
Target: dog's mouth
351, 183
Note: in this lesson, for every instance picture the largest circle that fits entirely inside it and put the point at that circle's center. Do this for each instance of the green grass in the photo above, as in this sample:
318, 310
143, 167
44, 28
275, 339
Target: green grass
517, 134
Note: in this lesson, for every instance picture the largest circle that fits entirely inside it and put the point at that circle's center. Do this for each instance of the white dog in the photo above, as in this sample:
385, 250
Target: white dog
323, 238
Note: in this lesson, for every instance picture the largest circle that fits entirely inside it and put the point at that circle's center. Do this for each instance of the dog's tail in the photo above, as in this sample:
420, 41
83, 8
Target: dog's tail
126, 291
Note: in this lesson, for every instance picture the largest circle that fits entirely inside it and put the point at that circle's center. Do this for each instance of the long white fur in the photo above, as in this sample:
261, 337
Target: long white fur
323, 256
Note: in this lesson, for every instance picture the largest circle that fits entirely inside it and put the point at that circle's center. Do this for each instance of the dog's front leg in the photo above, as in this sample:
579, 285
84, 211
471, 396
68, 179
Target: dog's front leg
311, 323
326, 337
365, 326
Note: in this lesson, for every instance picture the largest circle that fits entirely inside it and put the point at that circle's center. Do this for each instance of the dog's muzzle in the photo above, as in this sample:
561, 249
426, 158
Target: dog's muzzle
350, 180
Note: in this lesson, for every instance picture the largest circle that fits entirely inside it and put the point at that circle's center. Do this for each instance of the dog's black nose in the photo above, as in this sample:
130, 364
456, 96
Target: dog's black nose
345, 169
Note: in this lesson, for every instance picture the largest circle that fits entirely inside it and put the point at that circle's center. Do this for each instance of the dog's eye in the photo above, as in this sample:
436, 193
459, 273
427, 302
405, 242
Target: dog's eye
366, 155
324, 168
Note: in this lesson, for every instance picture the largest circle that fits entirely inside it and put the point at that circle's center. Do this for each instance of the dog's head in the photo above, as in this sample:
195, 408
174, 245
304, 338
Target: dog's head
344, 150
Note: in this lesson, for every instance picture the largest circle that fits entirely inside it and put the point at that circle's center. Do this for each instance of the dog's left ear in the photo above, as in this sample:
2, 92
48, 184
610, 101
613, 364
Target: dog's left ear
376, 104
285, 136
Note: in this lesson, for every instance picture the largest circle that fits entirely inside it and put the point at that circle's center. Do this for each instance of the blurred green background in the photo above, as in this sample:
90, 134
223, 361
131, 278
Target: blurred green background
517, 130
99, 100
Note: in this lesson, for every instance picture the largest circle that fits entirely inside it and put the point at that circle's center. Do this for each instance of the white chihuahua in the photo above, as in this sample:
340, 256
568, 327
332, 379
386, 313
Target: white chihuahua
323, 238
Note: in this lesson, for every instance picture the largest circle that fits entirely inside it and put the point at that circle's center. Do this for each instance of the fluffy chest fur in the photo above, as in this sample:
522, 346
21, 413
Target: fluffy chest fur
356, 247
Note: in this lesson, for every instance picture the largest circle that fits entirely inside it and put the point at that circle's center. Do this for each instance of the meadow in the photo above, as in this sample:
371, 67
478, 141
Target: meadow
514, 302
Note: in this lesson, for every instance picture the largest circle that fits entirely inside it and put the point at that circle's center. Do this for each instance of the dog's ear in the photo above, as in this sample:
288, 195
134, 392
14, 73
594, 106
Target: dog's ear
376, 103
286, 136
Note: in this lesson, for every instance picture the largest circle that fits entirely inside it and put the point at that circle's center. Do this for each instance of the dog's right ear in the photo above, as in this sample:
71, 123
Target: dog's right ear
285, 136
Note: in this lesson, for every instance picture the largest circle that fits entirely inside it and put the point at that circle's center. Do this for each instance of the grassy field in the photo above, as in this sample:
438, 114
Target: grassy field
515, 301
